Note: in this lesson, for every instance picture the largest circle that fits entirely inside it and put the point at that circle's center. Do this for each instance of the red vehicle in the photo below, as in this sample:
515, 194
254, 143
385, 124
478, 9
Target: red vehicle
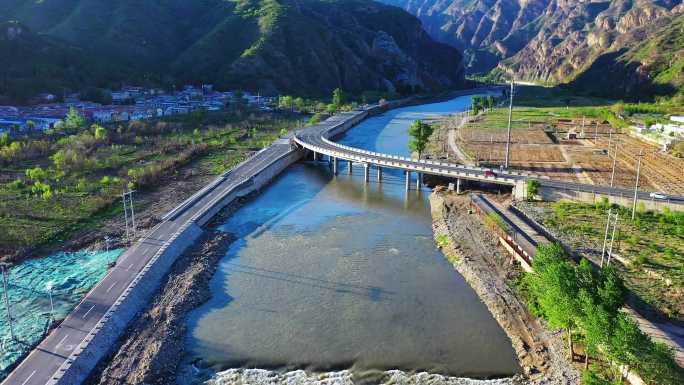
489, 173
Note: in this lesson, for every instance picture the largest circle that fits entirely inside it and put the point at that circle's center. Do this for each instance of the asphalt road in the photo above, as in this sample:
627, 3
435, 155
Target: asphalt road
314, 137
45, 360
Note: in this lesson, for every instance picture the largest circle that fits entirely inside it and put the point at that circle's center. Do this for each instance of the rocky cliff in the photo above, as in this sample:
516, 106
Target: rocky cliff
557, 41
299, 46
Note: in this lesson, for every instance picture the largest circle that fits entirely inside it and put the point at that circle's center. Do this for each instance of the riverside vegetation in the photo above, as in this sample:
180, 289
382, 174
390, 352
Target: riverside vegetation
586, 304
54, 184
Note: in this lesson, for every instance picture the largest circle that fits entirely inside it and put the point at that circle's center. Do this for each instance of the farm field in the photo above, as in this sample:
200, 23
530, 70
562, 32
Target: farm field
572, 143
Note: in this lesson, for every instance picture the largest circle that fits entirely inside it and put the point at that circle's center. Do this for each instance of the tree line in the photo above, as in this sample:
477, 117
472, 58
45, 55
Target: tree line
586, 303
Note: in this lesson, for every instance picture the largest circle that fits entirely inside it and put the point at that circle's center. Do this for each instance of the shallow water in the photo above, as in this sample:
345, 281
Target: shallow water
332, 273
70, 274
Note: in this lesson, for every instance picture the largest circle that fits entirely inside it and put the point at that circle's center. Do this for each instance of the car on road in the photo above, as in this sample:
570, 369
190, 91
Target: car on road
490, 174
655, 195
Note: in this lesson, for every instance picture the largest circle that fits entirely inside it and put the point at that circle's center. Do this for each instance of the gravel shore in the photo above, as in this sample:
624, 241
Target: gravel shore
475, 253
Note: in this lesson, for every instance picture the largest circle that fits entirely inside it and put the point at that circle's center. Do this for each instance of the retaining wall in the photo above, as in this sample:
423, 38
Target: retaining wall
136, 296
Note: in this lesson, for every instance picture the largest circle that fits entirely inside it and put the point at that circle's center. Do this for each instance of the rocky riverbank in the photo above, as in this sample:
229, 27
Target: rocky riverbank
475, 253
151, 349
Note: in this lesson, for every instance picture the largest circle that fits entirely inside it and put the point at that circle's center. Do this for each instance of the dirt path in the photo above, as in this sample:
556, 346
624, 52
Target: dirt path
475, 253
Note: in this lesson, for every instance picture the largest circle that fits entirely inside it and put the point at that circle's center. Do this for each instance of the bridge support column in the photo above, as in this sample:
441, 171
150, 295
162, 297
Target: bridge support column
366, 170
458, 185
349, 169
408, 179
379, 174
335, 164
315, 156
419, 179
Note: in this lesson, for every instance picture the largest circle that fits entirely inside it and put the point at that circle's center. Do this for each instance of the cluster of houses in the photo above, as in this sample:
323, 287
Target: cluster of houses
664, 133
129, 103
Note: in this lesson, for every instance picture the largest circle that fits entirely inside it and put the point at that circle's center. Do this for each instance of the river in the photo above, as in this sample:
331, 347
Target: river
331, 273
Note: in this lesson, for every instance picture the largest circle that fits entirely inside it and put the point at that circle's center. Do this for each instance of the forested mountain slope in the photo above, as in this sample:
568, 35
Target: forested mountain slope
300, 46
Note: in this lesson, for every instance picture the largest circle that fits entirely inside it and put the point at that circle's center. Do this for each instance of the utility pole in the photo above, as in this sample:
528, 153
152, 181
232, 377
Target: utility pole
612, 218
596, 134
612, 239
127, 197
510, 121
636, 185
612, 175
5, 285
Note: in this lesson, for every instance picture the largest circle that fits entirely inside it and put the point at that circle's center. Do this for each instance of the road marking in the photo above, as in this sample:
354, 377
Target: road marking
61, 342
89, 310
129, 267
111, 287
28, 378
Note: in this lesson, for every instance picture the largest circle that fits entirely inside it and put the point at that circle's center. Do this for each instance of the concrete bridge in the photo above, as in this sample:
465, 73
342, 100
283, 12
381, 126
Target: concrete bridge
317, 139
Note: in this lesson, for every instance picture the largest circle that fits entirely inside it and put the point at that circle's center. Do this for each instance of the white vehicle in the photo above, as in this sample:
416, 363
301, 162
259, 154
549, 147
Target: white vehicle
657, 195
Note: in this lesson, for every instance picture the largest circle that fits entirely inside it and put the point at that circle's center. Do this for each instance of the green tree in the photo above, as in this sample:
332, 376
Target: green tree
286, 102
338, 98
420, 133
99, 132
4, 139
36, 174
554, 289
532, 188
74, 120
299, 104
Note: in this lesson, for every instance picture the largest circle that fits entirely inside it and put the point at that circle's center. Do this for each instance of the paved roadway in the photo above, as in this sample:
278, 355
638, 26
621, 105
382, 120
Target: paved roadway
315, 138
44, 361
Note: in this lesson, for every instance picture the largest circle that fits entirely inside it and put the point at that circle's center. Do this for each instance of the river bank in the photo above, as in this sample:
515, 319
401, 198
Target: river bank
476, 254
151, 349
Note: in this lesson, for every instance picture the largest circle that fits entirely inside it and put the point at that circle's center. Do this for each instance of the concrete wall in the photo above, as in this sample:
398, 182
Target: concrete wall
136, 297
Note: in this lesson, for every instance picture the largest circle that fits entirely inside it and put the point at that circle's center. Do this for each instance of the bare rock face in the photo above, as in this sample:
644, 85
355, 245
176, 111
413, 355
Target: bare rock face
552, 41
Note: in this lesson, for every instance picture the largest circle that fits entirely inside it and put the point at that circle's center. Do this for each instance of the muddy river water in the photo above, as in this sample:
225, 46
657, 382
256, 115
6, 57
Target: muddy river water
329, 272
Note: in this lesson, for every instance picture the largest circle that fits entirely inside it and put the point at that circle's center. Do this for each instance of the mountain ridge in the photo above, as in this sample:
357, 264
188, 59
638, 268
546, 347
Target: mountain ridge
307, 47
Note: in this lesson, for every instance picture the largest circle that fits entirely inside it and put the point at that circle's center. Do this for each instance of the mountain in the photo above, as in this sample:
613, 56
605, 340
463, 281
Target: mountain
306, 47
563, 41
32, 63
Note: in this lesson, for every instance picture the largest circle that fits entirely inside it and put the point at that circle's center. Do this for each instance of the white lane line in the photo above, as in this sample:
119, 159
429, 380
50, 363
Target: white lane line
61, 342
111, 287
129, 267
28, 378
88, 312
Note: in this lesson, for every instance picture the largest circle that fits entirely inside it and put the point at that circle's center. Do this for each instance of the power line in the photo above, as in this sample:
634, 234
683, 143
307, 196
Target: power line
510, 121
127, 197
636, 185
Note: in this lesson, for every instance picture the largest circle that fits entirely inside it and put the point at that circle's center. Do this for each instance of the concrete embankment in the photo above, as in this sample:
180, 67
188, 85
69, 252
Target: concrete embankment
136, 296
468, 244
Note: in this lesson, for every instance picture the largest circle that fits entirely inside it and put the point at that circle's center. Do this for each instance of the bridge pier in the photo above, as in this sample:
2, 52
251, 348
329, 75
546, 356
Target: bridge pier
366, 171
349, 169
408, 179
458, 185
379, 174
419, 179
315, 156
335, 165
